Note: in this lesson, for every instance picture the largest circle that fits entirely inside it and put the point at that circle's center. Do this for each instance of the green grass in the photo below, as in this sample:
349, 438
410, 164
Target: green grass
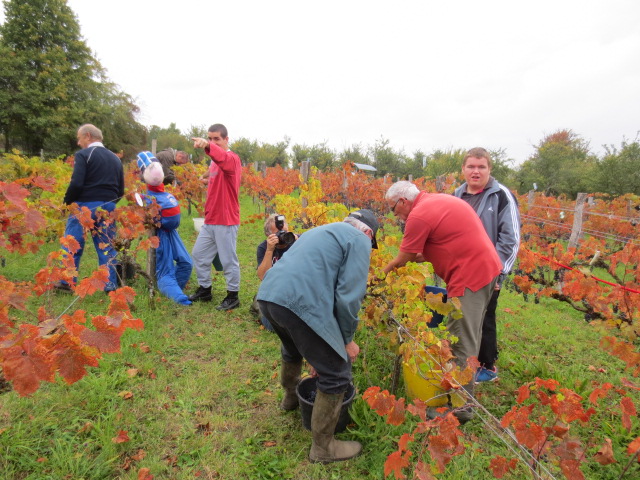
205, 397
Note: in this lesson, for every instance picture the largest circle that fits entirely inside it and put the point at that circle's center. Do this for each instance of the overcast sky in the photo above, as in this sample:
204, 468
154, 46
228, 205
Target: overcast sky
423, 74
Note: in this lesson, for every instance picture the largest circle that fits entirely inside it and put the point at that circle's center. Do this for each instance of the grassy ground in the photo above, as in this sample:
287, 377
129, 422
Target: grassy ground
197, 393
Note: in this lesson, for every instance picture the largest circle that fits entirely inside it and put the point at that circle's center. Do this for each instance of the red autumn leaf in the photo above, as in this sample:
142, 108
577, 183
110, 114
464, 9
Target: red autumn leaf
46, 184
25, 369
71, 359
404, 441
599, 393
122, 437
628, 410
34, 221
15, 194
604, 456
422, 471
106, 341
500, 466
549, 384
397, 414
395, 463
634, 447
571, 469
95, 282
531, 435
523, 393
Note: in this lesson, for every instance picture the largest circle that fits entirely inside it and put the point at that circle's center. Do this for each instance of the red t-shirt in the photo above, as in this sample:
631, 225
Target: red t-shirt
448, 232
223, 205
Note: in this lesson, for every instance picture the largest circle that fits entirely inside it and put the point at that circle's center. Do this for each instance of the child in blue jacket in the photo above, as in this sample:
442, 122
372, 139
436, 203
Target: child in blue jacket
173, 263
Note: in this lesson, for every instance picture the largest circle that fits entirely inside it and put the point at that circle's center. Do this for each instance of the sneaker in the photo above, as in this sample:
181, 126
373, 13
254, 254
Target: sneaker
203, 294
229, 303
62, 287
486, 375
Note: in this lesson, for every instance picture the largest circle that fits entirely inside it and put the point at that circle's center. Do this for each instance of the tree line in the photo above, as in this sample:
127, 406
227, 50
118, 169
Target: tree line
50, 83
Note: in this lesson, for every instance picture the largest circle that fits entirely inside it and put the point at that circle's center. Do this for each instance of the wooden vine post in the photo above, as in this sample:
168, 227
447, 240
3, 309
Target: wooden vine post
576, 231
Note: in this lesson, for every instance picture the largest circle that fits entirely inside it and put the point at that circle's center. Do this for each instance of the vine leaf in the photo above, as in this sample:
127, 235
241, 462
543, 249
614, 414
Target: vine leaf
605, 456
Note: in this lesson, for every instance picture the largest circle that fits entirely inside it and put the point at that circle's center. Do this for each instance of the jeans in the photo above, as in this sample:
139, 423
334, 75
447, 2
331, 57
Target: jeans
101, 233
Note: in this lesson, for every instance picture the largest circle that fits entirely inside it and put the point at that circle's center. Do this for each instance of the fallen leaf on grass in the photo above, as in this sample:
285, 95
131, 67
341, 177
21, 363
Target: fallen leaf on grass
126, 395
199, 334
507, 310
121, 438
204, 428
604, 456
132, 372
144, 474
42, 460
269, 443
87, 427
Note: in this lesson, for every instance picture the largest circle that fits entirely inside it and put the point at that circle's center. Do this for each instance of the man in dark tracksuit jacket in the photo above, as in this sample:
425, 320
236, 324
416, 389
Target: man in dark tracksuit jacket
498, 210
97, 182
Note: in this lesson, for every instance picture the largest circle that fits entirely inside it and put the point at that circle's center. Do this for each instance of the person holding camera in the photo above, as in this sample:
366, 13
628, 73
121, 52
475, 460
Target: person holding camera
278, 241
312, 297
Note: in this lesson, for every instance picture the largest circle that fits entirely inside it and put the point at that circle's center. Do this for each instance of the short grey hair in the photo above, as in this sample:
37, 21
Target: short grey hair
268, 223
363, 227
402, 189
92, 130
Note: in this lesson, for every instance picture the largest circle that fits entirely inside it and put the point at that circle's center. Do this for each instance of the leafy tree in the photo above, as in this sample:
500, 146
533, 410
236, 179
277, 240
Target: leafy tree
503, 169
246, 149
618, 172
353, 154
444, 162
272, 154
561, 165
51, 83
320, 156
413, 166
385, 159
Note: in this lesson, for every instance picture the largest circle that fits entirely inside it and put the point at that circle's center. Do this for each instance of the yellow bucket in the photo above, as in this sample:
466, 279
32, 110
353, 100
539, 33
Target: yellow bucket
426, 387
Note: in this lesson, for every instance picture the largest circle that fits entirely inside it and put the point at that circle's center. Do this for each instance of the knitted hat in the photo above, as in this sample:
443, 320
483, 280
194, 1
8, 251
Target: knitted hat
369, 219
153, 174
144, 159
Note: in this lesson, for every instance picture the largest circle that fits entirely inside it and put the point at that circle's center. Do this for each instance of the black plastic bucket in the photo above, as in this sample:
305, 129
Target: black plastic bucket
437, 318
306, 391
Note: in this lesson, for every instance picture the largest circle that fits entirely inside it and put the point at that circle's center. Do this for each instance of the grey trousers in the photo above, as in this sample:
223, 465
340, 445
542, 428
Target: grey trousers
221, 240
468, 329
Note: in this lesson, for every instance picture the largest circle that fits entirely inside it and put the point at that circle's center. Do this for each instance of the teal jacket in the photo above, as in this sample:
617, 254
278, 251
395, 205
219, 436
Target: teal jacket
322, 279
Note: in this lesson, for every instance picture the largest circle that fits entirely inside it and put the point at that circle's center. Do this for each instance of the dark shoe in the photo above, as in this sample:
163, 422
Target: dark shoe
203, 294
62, 287
230, 302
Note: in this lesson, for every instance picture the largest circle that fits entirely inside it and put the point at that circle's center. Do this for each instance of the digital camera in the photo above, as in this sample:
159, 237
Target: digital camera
284, 238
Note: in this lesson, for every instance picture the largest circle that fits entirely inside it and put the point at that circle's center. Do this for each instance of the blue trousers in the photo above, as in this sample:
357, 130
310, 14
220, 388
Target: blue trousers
101, 234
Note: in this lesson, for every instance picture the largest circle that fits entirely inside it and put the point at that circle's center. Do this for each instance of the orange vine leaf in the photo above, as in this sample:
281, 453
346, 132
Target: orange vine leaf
500, 466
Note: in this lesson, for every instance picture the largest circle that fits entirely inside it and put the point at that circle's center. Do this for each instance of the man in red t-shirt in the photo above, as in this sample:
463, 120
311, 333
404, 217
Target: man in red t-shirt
446, 231
219, 233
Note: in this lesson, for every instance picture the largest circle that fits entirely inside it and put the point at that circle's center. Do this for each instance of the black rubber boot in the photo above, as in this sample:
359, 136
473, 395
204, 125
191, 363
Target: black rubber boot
325, 448
203, 294
230, 302
289, 378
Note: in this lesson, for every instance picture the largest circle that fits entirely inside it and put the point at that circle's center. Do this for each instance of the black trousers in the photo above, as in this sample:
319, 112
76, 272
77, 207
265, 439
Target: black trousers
300, 341
489, 343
